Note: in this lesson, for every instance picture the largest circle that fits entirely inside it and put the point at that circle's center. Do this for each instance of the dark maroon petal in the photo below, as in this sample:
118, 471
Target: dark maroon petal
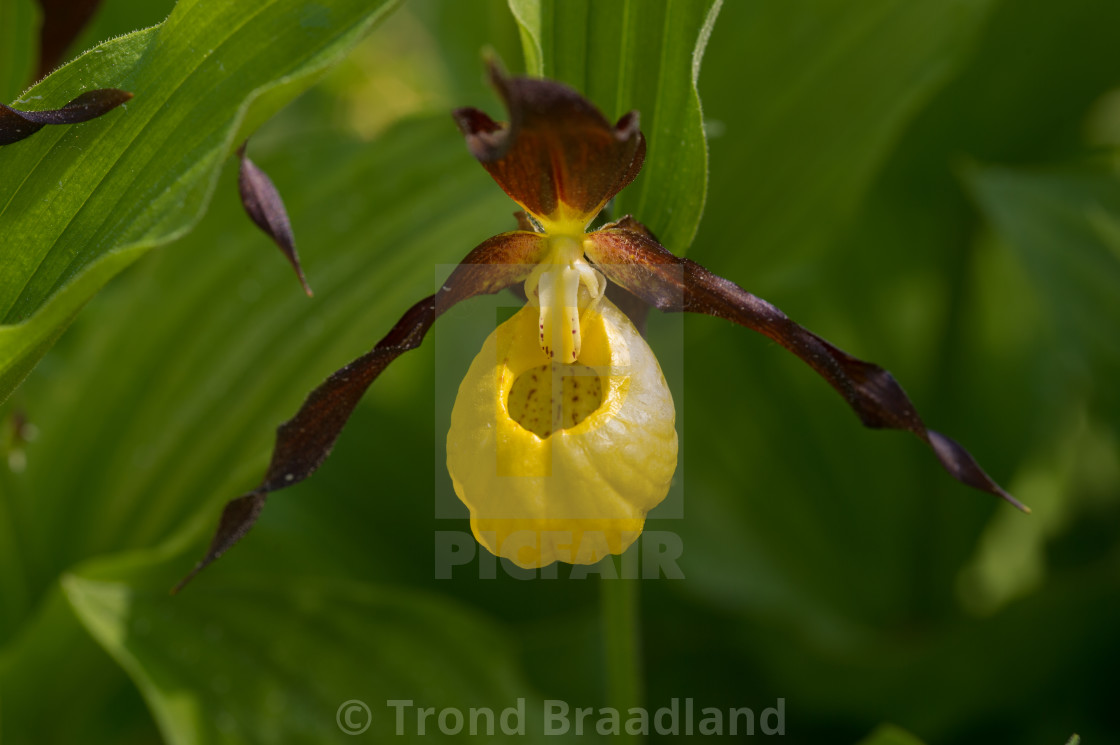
63, 20
304, 441
558, 157
16, 124
237, 518
263, 203
627, 254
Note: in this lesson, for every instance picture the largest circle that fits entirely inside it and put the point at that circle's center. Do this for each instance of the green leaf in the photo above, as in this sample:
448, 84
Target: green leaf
625, 55
1063, 224
103, 706
805, 108
91, 199
889, 734
265, 659
19, 46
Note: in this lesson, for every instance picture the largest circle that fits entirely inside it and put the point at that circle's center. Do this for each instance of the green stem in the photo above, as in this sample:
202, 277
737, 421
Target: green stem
622, 645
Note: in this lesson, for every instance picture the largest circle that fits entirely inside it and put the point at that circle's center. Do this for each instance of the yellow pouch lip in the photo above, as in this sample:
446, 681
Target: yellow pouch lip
531, 544
606, 355
595, 481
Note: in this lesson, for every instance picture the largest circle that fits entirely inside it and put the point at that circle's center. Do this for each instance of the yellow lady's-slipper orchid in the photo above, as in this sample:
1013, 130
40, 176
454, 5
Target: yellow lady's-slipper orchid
562, 436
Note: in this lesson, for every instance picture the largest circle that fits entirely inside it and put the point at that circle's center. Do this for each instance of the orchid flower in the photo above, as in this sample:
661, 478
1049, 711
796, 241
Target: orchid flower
562, 436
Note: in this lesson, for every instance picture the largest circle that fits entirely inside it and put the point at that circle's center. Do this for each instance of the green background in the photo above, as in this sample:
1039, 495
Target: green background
931, 186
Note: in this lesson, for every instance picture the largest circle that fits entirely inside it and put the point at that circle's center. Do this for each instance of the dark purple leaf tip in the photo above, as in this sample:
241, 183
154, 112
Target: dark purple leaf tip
238, 517
17, 124
263, 203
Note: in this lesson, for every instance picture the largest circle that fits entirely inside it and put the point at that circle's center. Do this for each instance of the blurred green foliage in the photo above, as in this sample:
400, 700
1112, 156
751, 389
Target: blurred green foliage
933, 186
75, 222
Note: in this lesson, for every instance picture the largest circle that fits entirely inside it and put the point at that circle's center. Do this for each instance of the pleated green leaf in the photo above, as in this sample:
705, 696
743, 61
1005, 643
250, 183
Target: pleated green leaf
79, 203
260, 659
820, 98
1063, 225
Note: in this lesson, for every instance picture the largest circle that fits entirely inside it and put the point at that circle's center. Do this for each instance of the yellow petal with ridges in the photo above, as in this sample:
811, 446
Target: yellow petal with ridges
583, 490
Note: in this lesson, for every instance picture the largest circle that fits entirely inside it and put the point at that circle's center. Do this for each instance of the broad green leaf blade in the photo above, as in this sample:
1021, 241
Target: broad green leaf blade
19, 46
1063, 224
807, 106
95, 689
625, 55
89, 199
263, 659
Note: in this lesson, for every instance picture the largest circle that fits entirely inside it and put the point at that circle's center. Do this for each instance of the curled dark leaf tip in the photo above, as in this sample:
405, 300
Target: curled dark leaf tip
238, 517
18, 124
964, 468
265, 207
